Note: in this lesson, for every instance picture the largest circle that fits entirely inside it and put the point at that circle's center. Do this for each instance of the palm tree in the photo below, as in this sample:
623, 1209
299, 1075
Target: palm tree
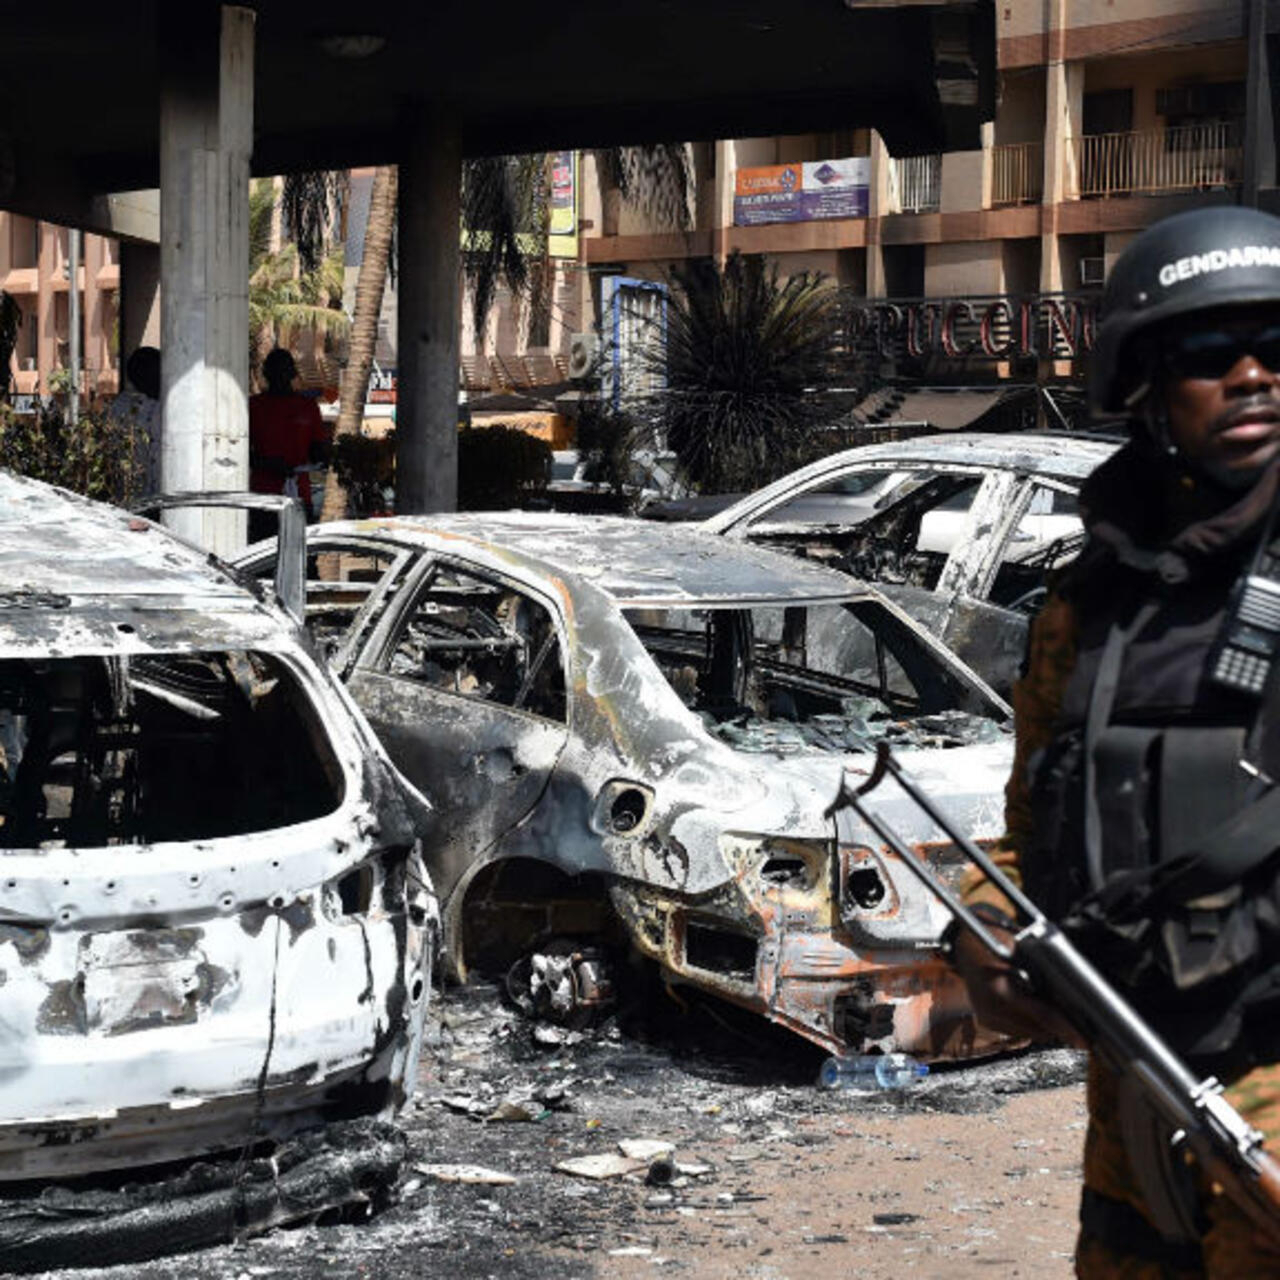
504, 204
370, 284
292, 295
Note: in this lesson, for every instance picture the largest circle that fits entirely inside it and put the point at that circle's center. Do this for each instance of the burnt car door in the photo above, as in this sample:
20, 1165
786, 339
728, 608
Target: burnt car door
463, 681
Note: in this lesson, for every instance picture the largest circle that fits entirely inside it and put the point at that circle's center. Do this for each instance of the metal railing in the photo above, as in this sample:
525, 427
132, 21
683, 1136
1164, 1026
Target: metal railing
1017, 173
1188, 158
915, 184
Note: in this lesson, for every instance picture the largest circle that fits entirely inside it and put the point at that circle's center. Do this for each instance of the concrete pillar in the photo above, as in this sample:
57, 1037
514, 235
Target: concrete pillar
139, 297
95, 356
879, 205
726, 187
46, 305
966, 176
1259, 121
429, 340
1064, 110
1063, 125
206, 135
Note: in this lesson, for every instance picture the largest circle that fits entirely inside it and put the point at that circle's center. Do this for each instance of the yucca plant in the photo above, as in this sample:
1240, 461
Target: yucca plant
742, 371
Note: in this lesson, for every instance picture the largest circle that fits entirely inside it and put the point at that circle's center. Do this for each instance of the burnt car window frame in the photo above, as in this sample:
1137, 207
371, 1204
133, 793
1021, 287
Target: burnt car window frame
1054, 555
907, 509
999, 506
342, 658
765, 517
933, 673
376, 654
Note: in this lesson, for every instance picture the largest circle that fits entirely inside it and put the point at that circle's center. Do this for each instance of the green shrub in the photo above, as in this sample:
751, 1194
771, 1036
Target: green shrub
366, 468
101, 456
500, 467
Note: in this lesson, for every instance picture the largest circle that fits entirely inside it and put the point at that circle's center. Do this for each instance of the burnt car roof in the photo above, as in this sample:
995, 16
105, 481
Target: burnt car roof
81, 577
632, 561
56, 545
1054, 457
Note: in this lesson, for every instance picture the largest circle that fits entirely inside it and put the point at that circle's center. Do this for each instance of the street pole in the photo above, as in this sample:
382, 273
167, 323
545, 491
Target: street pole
1259, 121
73, 322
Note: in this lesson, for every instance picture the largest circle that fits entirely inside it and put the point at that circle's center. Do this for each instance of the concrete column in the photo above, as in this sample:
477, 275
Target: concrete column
95, 355
1259, 121
726, 186
879, 205
46, 306
429, 340
1064, 110
966, 176
206, 135
139, 297
1063, 125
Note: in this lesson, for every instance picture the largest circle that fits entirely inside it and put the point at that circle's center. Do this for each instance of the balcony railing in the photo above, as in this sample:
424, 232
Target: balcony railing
915, 184
1017, 173
1189, 158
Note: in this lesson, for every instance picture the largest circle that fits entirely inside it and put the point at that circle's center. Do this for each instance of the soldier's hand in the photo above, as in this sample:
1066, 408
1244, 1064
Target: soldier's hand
999, 995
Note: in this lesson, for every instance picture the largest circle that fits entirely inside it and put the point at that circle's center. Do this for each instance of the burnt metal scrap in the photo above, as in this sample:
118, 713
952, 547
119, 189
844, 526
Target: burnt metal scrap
216, 926
635, 731
348, 1167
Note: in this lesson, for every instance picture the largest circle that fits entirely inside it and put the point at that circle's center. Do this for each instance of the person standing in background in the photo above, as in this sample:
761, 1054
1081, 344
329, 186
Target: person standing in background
286, 434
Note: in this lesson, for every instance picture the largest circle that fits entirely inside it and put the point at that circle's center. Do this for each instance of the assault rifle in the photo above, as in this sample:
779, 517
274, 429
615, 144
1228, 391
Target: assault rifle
1228, 1149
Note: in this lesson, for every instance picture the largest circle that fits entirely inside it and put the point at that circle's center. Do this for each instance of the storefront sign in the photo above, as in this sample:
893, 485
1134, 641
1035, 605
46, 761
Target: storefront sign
1043, 326
802, 192
382, 387
562, 233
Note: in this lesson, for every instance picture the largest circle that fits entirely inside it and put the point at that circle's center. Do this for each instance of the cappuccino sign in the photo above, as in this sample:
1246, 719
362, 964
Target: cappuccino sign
1039, 326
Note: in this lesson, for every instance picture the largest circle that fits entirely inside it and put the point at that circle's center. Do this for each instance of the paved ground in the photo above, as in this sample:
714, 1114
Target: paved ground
971, 1173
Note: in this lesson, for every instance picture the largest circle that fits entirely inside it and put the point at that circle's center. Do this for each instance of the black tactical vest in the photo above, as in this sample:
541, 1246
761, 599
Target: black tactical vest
1144, 765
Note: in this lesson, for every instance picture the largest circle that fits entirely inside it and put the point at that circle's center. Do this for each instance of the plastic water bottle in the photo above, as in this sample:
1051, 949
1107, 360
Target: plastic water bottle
871, 1071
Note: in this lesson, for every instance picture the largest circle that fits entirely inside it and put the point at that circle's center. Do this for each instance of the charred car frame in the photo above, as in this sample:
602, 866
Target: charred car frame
627, 724
215, 922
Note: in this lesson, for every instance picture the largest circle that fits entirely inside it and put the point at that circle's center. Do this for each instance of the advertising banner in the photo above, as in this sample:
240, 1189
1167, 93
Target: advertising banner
562, 234
807, 192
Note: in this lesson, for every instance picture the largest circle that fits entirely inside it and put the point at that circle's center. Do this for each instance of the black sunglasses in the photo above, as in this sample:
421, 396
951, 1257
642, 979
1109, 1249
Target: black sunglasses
1212, 353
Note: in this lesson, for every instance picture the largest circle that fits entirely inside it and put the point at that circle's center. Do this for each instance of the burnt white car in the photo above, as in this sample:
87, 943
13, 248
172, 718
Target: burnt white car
961, 530
215, 922
634, 731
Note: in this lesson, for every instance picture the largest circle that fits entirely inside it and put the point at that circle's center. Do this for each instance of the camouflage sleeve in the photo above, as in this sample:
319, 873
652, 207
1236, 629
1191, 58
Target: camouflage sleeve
1037, 698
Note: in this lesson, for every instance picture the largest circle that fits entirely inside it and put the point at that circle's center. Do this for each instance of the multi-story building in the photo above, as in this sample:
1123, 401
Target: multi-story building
34, 271
975, 266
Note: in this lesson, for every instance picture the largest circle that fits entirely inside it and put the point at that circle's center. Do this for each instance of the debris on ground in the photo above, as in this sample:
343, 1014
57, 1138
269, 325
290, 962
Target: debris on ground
343, 1169
472, 1174
974, 1172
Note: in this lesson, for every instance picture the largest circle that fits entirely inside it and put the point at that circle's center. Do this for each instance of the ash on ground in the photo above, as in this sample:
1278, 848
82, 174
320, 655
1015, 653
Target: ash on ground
538, 1151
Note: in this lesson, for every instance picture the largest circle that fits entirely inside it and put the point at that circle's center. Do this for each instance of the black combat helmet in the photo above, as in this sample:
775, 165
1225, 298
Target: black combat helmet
1193, 261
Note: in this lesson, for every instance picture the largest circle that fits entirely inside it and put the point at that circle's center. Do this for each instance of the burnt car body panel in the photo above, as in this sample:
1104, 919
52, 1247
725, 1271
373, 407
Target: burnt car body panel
963, 539
215, 921
543, 655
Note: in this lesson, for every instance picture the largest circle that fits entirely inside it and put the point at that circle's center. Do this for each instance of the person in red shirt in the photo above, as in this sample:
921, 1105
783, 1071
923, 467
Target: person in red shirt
285, 432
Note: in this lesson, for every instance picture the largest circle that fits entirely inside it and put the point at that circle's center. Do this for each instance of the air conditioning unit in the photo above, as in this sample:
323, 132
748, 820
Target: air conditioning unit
1093, 271
584, 348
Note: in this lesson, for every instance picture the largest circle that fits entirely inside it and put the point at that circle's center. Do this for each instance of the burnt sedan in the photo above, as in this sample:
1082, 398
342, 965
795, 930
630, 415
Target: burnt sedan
633, 731
961, 530
216, 927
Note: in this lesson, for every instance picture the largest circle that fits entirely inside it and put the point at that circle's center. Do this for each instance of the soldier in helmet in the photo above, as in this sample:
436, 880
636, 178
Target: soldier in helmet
1148, 734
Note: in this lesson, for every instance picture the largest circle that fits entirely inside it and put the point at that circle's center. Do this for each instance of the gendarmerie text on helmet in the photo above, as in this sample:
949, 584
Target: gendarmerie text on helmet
1200, 264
